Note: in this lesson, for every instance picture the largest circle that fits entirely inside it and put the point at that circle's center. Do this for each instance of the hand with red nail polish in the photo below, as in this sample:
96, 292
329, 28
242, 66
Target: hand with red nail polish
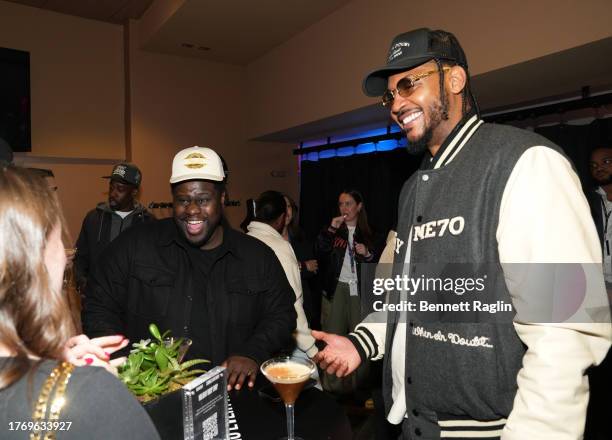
80, 350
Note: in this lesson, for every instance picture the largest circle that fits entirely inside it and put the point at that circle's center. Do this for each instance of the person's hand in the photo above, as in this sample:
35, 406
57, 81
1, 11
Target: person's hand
339, 356
311, 265
337, 221
80, 350
240, 368
70, 254
361, 249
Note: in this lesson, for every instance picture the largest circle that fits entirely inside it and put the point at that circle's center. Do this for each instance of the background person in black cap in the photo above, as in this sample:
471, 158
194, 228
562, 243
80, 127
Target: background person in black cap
512, 197
104, 223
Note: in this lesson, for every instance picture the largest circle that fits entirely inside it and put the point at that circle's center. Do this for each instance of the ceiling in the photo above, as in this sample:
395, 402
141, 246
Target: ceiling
532, 83
111, 11
240, 31
228, 31
237, 31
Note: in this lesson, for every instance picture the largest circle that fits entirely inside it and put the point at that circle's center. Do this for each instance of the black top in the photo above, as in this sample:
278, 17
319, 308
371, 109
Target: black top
98, 405
147, 276
200, 332
304, 251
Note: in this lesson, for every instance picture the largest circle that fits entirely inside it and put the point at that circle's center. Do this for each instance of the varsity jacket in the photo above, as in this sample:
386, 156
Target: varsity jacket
284, 252
493, 195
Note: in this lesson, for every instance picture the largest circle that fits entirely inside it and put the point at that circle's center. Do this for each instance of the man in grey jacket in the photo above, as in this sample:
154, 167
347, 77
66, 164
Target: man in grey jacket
508, 203
104, 223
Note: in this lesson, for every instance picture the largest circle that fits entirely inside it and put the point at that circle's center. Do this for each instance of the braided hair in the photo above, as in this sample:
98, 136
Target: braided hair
469, 103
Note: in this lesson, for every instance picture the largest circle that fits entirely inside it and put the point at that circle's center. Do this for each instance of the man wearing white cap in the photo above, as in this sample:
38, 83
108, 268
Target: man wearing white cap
194, 275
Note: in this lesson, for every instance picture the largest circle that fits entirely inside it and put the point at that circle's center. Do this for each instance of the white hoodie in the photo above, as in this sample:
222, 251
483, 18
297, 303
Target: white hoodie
284, 252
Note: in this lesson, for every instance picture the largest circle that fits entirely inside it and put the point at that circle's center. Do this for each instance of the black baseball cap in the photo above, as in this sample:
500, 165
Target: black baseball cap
126, 173
411, 49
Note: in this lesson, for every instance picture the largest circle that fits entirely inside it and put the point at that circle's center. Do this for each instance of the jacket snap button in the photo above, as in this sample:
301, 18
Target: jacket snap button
425, 177
409, 380
419, 218
417, 431
415, 413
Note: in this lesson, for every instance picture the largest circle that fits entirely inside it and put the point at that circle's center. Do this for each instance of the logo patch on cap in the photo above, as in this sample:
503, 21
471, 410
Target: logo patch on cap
195, 161
397, 50
119, 170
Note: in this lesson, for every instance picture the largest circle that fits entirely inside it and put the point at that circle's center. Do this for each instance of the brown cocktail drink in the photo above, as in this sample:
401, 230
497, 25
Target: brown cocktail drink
288, 378
288, 375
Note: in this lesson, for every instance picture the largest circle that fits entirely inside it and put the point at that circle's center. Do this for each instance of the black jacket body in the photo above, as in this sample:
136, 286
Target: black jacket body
100, 226
595, 203
146, 275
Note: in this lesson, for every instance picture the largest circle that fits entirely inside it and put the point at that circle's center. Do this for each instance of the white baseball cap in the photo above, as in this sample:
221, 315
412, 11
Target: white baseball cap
197, 163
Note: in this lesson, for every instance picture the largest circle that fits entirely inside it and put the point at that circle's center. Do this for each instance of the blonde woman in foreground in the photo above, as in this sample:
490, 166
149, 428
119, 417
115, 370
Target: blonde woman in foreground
40, 393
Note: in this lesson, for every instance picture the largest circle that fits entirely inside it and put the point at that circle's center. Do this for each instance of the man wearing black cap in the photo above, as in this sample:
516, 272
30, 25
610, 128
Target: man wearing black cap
104, 223
485, 195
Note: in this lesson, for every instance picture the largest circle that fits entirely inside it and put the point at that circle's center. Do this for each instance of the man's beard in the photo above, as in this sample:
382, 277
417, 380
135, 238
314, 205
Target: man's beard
605, 181
436, 110
113, 205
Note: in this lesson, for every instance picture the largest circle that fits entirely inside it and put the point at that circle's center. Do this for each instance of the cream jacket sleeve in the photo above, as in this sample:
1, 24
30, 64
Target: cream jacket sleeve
284, 252
370, 334
545, 218
305, 341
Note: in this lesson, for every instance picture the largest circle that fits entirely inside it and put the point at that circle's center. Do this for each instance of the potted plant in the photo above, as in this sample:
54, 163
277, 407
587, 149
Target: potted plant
154, 373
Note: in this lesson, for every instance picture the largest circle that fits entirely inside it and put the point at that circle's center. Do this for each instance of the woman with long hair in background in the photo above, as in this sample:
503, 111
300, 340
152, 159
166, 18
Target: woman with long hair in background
345, 244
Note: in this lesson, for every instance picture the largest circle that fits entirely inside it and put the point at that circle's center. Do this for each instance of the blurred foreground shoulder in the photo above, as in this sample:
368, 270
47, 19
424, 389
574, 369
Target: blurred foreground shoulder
101, 407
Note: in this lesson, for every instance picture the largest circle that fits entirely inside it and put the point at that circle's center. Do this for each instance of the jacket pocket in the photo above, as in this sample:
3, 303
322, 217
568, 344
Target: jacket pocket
150, 290
243, 296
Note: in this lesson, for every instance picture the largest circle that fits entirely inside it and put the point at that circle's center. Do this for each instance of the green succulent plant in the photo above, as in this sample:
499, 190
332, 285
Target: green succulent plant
154, 366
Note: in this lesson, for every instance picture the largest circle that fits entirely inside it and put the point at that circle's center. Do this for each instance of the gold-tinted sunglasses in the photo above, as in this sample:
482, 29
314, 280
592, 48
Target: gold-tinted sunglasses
405, 86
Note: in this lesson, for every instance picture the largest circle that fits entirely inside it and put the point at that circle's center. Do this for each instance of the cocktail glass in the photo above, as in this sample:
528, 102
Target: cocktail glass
288, 375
